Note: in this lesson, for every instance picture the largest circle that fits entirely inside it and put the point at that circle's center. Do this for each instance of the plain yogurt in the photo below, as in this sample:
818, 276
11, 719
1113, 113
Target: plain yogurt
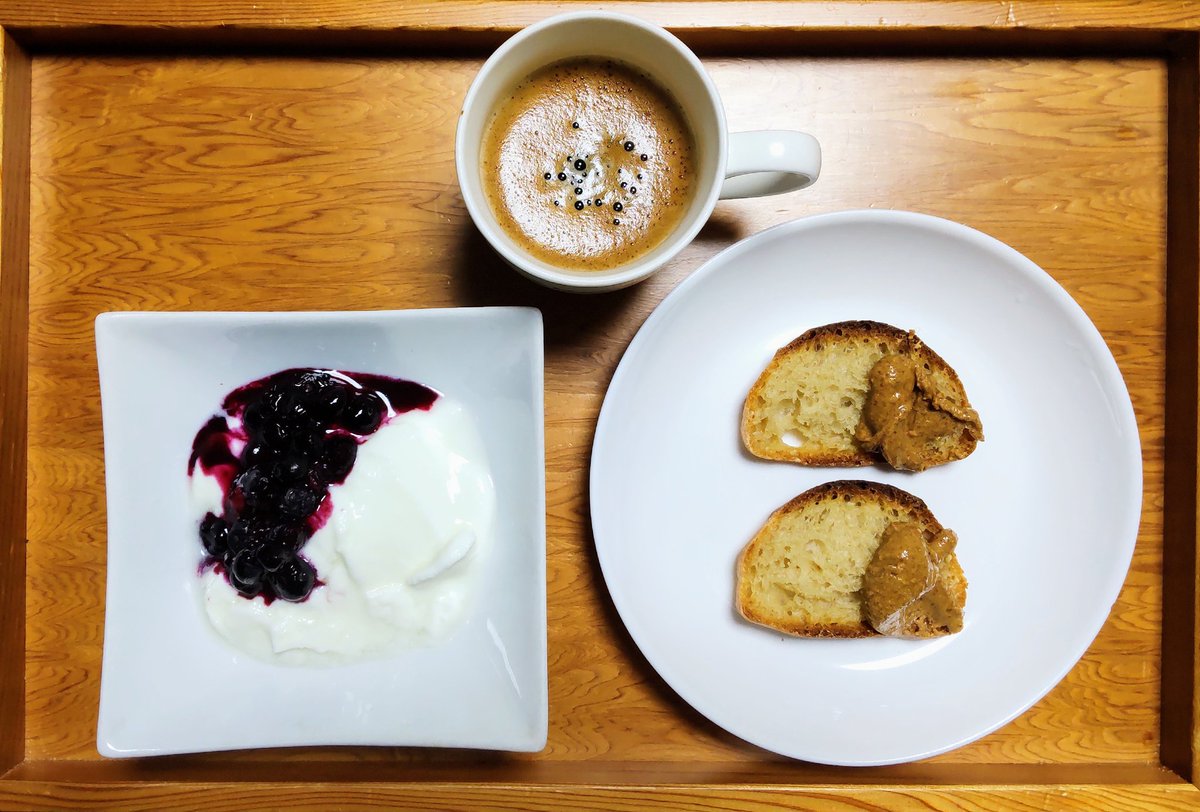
399, 557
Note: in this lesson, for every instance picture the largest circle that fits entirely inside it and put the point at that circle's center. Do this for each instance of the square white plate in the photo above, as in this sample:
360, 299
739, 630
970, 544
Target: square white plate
169, 683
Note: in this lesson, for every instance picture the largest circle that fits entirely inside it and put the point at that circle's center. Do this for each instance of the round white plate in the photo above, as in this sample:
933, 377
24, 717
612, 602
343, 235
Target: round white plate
1046, 509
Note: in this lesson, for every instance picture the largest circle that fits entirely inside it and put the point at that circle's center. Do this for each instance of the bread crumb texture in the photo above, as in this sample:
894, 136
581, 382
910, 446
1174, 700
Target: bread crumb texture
807, 403
802, 573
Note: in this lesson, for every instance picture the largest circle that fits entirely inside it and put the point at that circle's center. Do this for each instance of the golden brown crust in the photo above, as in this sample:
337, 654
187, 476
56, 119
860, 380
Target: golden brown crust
880, 491
842, 330
904, 501
897, 340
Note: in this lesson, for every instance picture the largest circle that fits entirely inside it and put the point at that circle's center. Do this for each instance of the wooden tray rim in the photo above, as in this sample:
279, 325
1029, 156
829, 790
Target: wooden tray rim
1159, 28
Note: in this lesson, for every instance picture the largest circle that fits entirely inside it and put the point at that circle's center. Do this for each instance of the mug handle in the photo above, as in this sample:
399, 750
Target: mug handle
770, 162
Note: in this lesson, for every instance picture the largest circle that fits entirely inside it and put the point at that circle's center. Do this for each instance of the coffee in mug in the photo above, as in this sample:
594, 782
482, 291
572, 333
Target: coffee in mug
588, 164
633, 89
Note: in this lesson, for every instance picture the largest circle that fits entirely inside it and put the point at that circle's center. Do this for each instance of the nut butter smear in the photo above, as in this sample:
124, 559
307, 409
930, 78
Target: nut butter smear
907, 418
588, 164
902, 584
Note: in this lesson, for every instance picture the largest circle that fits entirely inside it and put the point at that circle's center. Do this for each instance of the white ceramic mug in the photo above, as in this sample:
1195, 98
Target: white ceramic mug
729, 165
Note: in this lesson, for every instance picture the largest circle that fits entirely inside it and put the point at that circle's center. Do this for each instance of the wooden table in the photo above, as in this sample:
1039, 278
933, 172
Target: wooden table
298, 155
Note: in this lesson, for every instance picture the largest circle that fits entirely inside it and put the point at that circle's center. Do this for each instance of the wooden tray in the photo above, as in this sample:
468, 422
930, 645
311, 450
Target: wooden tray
298, 155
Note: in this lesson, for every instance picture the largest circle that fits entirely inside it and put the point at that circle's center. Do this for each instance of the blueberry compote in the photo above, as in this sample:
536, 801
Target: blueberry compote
281, 442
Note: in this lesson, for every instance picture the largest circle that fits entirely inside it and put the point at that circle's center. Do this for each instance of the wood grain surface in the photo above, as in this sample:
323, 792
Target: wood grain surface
584, 798
14, 303
268, 184
45, 16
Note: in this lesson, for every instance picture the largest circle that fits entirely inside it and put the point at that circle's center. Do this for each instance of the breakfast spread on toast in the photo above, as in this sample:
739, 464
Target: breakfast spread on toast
853, 559
855, 392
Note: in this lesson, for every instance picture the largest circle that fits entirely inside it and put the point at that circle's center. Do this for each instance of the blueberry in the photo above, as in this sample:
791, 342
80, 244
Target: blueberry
213, 535
337, 458
256, 486
245, 573
292, 468
294, 580
323, 397
254, 417
298, 502
276, 400
273, 556
252, 535
332, 401
257, 453
297, 414
250, 479
306, 442
238, 536
363, 413
275, 433
288, 537
312, 383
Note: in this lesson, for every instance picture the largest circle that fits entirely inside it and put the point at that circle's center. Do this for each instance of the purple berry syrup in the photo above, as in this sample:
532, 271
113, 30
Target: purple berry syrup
280, 444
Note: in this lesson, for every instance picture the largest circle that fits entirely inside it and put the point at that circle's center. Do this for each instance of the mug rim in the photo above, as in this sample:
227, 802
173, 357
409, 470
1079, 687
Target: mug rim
682, 236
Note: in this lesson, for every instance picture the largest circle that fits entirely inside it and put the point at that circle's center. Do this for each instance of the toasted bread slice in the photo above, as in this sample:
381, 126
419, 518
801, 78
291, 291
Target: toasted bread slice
808, 403
802, 573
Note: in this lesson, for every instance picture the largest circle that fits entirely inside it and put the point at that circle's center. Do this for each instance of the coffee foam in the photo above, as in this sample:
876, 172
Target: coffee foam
587, 124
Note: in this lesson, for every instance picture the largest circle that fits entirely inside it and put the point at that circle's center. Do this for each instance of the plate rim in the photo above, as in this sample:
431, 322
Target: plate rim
1131, 442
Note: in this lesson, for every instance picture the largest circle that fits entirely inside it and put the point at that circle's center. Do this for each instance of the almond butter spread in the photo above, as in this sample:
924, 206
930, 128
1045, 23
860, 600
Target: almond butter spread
909, 420
903, 591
